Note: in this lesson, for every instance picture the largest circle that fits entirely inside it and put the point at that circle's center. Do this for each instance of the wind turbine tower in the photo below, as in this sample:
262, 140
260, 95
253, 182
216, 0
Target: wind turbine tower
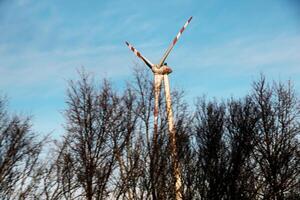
161, 72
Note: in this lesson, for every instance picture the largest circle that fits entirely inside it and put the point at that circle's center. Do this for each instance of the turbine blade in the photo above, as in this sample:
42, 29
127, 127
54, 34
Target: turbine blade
138, 54
174, 42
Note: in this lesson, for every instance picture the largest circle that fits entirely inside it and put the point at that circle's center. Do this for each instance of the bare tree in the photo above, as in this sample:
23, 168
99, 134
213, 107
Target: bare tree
212, 155
59, 178
277, 147
241, 132
20, 148
93, 121
128, 149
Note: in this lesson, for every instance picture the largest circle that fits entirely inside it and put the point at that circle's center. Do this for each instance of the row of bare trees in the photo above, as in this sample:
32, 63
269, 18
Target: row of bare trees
244, 148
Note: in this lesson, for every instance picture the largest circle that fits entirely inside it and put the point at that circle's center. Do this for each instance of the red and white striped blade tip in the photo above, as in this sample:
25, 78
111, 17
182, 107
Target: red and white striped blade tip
135, 51
138, 54
181, 30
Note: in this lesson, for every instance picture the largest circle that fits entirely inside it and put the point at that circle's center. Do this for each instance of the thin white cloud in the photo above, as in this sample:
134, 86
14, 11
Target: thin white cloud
243, 54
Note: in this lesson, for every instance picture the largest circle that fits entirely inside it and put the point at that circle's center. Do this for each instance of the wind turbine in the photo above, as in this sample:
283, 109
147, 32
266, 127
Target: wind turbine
161, 71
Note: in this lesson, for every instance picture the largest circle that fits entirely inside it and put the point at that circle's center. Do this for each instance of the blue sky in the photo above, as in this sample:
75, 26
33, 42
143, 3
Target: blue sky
226, 46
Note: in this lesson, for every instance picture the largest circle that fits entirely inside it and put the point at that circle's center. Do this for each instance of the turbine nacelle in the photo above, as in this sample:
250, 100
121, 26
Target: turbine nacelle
156, 69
